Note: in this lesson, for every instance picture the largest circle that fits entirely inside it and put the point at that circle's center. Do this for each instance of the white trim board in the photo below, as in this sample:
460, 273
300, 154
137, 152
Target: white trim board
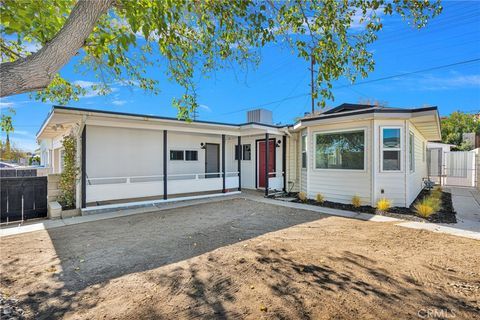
130, 205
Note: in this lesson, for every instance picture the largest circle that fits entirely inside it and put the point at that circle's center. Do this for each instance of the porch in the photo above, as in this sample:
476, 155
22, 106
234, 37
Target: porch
119, 169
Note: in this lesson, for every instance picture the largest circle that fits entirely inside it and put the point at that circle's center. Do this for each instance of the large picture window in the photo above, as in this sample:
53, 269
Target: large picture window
340, 150
391, 149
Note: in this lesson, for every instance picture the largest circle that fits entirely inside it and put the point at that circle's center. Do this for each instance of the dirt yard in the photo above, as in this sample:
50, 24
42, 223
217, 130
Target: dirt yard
241, 259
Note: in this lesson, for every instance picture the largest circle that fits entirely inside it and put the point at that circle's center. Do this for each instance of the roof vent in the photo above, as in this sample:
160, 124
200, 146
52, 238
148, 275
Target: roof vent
260, 116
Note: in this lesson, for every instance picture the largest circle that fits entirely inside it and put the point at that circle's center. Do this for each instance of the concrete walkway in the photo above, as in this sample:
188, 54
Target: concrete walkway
466, 203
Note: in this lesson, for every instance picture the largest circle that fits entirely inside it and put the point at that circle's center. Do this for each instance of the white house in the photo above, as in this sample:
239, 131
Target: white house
350, 150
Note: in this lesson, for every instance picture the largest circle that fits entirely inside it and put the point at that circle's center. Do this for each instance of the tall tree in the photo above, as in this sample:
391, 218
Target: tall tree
6, 125
458, 123
119, 39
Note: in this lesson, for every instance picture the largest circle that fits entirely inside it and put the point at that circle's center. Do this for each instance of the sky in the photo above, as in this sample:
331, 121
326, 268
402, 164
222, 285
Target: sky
414, 68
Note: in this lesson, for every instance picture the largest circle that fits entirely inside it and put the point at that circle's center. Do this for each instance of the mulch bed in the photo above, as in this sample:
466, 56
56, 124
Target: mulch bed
446, 214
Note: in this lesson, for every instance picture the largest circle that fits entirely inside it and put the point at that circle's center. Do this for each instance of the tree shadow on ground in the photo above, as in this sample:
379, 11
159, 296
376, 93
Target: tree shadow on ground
91, 254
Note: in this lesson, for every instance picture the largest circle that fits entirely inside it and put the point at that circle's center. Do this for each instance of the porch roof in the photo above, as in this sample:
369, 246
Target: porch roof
62, 118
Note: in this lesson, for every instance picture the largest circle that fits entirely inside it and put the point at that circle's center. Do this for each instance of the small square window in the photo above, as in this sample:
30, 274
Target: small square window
391, 160
191, 155
176, 154
391, 138
246, 152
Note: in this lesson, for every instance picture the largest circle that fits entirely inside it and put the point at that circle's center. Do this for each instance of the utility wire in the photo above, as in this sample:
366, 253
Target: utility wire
358, 83
410, 73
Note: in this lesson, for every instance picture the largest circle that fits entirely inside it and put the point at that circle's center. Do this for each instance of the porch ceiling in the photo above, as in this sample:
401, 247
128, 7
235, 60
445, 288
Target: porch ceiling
56, 124
429, 125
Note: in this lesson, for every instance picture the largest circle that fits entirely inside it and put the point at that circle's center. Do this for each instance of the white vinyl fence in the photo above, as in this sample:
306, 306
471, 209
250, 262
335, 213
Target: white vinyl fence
453, 168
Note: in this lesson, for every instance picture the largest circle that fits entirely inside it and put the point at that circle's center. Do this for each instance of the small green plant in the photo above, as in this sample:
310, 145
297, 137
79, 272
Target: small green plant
302, 196
436, 193
356, 201
383, 204
434, 202
424, 209
69, 174
319, 198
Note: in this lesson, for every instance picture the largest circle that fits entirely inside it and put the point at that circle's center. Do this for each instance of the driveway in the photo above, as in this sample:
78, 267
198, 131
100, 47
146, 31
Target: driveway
466, 202
239, 258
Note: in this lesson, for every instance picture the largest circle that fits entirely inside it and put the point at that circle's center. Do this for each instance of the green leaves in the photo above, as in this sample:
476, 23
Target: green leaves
456, 124
69, 173
187, 39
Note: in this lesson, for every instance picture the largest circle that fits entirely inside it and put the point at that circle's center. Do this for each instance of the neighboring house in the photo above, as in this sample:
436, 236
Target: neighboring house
363, 150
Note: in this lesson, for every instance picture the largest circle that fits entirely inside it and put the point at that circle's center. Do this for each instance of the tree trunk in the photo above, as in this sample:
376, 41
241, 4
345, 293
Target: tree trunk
36, 71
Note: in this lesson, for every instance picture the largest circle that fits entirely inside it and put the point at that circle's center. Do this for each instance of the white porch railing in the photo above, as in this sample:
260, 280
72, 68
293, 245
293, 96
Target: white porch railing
117, 188
275, 182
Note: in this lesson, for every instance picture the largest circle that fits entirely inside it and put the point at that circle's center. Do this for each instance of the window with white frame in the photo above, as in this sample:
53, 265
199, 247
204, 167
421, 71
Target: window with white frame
62, 159
391, 149
340, 150
411, 151
304, 151
424, 151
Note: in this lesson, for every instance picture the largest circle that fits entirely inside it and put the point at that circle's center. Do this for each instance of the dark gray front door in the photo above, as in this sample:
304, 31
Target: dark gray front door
212, 160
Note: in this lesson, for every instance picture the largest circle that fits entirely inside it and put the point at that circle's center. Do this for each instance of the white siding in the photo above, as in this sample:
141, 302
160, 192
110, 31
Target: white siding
247, 166
389, 185
187, 141
303, 171
122, 152
415, 179
293, 181
339, 185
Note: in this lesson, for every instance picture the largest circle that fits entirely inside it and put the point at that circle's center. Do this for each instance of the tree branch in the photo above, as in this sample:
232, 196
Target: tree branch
36, 71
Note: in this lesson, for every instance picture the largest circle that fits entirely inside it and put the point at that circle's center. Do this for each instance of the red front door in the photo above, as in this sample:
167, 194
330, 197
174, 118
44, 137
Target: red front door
261, 161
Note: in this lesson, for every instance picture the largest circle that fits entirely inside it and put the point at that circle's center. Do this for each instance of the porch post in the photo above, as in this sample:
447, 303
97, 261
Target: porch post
223, 163
267, 151
84, 167
284, 162
240, 156
165, 179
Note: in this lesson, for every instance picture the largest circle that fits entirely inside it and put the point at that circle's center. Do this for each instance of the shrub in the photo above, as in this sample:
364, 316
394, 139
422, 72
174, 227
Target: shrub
319, 198
383, 204
423, 209
356, 201
436, 193
434, 202
69, 174
302, 196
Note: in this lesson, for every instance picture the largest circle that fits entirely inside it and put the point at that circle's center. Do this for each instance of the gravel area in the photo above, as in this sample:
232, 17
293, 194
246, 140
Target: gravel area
239, 259
9, 309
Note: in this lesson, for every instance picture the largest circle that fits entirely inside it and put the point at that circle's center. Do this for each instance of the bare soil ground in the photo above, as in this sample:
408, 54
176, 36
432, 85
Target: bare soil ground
240, 259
